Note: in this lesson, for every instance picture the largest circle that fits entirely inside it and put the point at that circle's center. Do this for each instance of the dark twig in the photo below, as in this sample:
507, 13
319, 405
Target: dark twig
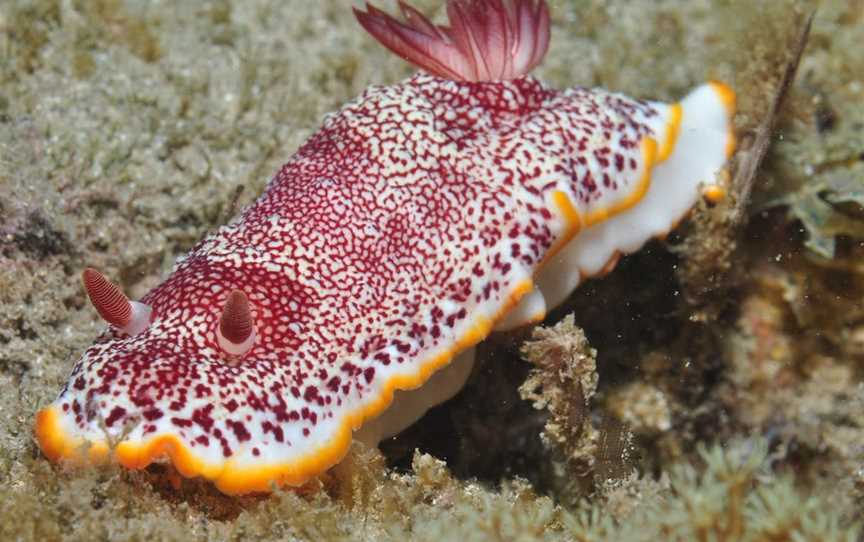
754, 146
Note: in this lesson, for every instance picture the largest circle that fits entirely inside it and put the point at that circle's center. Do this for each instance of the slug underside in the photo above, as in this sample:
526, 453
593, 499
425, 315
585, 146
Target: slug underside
417, 218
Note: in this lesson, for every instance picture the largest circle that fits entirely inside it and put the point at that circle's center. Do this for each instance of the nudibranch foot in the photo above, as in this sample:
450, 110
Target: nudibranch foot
698, 132
408, 406
418, 218
530, 309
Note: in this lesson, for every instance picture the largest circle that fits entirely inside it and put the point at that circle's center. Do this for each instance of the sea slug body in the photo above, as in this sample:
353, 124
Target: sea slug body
420, 217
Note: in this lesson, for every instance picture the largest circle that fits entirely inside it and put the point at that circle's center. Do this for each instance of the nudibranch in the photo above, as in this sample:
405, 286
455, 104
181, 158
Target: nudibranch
348, 298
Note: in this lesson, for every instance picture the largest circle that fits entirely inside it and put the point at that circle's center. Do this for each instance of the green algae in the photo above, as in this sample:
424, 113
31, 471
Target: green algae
820, 207
817, 161
127, 132
28, 26
730, 497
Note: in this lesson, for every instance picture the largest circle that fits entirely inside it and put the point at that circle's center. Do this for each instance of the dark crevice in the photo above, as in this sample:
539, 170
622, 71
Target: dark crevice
37, 237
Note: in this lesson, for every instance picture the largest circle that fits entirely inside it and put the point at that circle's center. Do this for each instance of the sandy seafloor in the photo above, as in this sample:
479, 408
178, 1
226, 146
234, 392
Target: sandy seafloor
730, 401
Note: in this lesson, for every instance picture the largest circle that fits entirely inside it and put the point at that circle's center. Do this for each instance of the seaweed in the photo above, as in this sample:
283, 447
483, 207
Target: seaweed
29, 25
816, 164
730, 495
563, 382
828, 207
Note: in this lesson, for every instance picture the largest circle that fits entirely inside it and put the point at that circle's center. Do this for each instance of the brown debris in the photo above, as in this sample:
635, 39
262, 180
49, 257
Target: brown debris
563, 382
710, 246
644, 408
754, 143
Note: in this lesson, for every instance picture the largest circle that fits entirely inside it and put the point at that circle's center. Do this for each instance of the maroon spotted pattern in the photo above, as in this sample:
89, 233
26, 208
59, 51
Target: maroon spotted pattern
414, 209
